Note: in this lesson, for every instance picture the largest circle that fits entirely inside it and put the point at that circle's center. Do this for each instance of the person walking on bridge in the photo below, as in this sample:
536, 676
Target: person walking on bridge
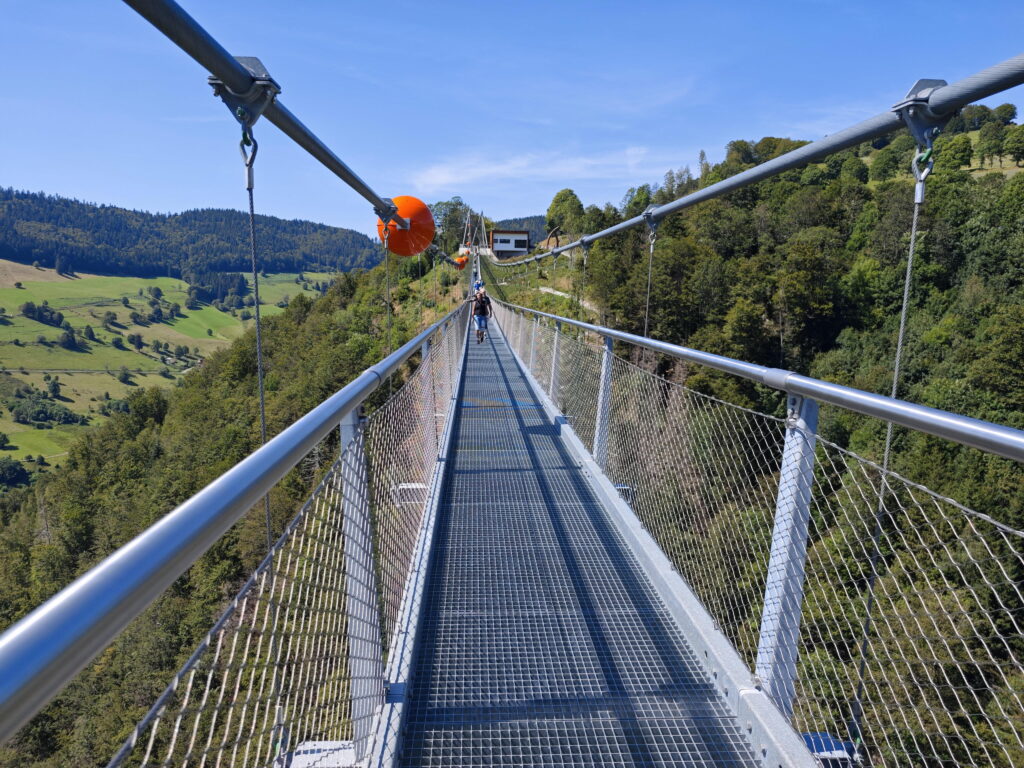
481, 311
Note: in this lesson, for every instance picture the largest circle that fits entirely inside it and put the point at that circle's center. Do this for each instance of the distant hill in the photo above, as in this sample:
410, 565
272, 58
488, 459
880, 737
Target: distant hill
70, 235
532, 224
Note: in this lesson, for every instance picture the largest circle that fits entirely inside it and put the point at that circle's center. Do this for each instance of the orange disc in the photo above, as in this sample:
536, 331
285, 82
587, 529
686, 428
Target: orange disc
460, 262
419, 235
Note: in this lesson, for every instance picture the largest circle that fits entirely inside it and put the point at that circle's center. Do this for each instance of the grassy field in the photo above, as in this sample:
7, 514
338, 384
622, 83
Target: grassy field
29, 349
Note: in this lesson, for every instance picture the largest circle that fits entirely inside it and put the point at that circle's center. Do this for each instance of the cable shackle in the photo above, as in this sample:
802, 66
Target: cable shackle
248, 157
922, 167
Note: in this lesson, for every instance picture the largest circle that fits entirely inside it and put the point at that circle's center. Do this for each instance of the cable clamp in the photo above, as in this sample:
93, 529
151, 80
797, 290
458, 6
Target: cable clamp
390, 214
925, 126
652, 223
247, 107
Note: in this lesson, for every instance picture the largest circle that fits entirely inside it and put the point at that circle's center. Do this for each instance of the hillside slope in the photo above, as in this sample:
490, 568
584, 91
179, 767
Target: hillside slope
75, 236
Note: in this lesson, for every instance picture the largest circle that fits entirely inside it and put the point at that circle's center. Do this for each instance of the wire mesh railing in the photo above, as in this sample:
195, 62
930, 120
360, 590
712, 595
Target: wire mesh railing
294, 668
900, 635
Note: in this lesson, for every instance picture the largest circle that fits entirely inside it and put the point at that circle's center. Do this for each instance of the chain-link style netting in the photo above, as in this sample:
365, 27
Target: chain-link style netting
293, 670
939, 679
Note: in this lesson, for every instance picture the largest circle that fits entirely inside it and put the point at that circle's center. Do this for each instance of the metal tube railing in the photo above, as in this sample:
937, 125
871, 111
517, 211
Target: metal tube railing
993, 438
940, 102
185, 32
44, 651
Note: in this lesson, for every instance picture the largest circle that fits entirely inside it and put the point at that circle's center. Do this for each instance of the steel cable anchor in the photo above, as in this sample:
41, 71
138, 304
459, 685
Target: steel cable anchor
924, 125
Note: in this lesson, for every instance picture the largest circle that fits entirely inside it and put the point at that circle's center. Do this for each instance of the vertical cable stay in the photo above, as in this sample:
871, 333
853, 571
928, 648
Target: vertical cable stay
274, 646
385, 235
249, 158
922, 166
652, 239
247, 108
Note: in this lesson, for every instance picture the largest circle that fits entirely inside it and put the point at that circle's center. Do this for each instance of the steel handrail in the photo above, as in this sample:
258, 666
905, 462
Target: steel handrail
46, 649
940, 102
983, 435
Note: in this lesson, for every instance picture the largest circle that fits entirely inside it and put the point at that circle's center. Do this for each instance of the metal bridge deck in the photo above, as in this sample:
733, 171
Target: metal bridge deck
542, 641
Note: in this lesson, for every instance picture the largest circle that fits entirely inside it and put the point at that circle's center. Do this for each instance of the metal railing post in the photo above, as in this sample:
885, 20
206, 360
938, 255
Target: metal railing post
778, 645
365, 661
523, 321
428, 406
533, 341
604, 406
554, 364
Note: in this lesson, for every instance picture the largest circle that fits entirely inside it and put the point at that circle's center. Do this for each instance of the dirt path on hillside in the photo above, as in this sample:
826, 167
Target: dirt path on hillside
586, 304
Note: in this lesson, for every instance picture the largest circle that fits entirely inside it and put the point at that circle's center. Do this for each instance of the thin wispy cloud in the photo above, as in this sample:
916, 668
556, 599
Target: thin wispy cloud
818, 121
630, 165
622, 98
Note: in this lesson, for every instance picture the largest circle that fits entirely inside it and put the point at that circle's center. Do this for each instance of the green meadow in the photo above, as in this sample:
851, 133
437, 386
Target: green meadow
29, 349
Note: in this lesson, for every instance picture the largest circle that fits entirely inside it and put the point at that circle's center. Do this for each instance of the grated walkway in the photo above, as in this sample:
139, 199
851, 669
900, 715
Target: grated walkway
543, 642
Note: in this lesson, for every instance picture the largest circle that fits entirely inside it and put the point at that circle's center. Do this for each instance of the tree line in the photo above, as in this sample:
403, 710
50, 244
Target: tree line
70, 235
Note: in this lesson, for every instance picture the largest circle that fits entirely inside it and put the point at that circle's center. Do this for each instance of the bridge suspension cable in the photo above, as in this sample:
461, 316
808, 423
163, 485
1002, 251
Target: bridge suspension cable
932, 101
242, 79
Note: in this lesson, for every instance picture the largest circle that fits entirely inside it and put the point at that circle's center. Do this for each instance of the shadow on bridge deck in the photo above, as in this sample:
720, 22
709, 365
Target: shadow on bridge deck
543, 641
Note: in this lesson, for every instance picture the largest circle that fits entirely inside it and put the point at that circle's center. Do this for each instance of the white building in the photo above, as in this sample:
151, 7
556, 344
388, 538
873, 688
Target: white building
509, 243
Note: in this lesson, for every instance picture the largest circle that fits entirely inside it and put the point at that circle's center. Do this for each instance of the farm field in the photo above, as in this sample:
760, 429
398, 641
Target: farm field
30, 349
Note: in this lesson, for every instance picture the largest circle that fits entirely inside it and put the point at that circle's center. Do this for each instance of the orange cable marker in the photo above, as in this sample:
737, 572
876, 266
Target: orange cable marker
419, 235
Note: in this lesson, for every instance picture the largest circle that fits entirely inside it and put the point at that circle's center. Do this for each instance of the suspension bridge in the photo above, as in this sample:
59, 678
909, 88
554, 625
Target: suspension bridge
535, 551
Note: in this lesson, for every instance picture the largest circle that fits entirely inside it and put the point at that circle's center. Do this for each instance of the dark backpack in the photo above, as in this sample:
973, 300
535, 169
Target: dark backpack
481, 305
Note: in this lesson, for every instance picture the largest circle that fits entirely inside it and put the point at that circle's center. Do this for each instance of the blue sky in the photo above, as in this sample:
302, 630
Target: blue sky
503, 104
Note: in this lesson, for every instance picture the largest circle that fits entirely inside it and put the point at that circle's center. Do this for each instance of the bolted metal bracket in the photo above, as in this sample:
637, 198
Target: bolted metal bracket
924, 125
652, 223
391, 214
247, 107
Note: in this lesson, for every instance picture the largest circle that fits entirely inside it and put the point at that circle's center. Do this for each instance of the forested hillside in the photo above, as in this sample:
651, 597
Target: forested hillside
70, 236
532, 224
805, 272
